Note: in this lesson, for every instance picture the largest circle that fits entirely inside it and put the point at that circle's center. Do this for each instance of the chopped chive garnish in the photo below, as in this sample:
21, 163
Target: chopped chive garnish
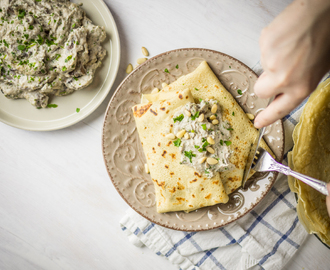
178, 118
177, 142
21, 47
189, 154
196, 115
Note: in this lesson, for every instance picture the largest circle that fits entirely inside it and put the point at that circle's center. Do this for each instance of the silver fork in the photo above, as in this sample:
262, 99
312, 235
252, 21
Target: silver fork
264, 162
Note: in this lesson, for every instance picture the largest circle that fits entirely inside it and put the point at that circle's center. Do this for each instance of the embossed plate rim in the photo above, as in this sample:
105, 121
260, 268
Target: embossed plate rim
267, 189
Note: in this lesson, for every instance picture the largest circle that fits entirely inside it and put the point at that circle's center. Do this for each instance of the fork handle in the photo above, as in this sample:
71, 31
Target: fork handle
314, 183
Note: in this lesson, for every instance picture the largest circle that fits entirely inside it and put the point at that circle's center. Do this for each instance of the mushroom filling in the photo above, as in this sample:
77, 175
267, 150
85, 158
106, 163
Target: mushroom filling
47, 48
203, 138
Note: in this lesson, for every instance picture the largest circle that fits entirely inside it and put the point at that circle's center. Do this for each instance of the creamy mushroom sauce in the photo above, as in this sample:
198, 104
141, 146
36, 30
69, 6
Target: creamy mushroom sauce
195, 146
47, 47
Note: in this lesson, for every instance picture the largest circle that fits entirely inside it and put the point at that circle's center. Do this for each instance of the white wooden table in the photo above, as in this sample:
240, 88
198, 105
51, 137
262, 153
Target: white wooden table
58, 208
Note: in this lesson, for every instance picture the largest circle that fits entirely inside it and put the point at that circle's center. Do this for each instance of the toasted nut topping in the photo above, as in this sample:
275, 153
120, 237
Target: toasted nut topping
200, 118
215, 122
145, 51
210, 140
210, 150
212, 117
250, 116
146, 168
155, 90
141, 60
129, 69
180, 133
188, 113
211, 161
186, 136
170, 136
164, 84
201, 160
214, 108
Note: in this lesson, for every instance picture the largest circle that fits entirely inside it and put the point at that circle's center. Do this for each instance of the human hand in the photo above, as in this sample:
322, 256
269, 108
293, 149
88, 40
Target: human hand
328, 199
295, 55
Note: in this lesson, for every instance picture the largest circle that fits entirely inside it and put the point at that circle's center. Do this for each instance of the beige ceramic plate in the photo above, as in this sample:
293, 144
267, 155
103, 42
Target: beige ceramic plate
20, 114
124, 157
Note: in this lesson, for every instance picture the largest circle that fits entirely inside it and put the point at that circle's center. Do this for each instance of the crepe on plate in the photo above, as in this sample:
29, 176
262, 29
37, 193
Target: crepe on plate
178, 187
153, 121
243, 134
311, 156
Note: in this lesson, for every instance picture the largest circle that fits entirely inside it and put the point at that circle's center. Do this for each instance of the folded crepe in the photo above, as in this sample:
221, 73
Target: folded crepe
311, 156
178, 187
243, 133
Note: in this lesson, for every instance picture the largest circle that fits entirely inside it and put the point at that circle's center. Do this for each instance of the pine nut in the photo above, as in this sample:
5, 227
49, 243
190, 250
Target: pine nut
215, 122
164, 85
180, 133
211, 161
146, 168
201, 118
129, 69
210, 150
210, 140
136, 66
170, 136
187, 113
212, 117
155, 90
214, 108
187, 136
141, 60
250, 116
201, 160
145, 51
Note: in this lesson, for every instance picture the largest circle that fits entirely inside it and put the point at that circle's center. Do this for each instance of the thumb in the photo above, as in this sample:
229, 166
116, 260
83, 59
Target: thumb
328, 199
328, 188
